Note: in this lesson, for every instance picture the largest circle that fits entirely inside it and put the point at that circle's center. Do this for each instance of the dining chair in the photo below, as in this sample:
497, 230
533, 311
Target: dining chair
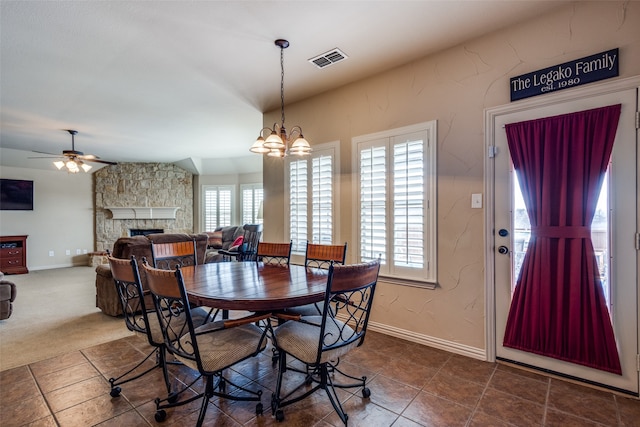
140, 317
208, 349
273, 253
167, 255
320, 341
320, 256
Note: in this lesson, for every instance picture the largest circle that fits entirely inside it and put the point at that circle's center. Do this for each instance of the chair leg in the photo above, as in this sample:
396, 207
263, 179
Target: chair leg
162, 353
117, 382
361, 381
208, 392
171, 401
321, 375
327, 385
277, 401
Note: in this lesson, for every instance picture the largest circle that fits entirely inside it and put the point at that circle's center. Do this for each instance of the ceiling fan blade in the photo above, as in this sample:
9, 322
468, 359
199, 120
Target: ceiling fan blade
101, 161
88, 157
45, 157
44, 152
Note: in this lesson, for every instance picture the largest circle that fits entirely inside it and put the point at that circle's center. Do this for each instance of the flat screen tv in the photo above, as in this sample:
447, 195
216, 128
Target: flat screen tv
16, 195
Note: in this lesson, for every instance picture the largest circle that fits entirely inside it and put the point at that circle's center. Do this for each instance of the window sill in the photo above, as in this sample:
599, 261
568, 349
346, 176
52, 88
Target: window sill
408, 282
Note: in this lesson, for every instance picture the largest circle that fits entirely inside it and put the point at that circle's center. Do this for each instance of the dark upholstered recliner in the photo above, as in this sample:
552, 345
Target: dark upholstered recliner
107, 298
7, 296
222, 239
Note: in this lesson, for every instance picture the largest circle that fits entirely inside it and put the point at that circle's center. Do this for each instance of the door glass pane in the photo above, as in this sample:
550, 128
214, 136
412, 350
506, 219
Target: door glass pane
600, 235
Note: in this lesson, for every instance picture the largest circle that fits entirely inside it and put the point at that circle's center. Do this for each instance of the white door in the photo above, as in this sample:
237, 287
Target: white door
623, 225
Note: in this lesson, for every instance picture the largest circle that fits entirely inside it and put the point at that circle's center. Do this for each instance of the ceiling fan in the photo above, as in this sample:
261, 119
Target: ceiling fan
72, 159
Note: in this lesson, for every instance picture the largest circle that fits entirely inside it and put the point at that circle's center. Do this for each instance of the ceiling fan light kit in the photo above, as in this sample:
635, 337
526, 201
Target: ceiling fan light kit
278, 143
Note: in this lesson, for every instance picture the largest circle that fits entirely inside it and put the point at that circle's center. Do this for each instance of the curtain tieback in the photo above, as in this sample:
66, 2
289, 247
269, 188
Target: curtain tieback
562, 232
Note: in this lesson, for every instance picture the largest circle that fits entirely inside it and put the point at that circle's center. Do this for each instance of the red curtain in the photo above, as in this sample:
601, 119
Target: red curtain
558, 308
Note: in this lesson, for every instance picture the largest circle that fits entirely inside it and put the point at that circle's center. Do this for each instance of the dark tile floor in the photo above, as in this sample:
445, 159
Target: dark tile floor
411, 385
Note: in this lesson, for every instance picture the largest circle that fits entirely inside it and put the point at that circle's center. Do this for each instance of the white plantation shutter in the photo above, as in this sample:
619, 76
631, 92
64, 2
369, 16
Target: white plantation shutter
217, 206
408, 202
247, 206
298, 205
373, 200
252, 197
396, 202
224, 208
312, 192
322, 200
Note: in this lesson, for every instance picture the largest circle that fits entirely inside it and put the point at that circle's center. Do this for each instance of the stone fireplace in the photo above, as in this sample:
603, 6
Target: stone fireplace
143, 196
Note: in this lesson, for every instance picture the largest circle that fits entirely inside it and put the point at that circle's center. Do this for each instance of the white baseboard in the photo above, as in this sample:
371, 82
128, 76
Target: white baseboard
50, 267
450, 346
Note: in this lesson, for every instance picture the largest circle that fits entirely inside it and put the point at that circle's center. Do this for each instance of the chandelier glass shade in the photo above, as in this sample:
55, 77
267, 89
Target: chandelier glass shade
277, 142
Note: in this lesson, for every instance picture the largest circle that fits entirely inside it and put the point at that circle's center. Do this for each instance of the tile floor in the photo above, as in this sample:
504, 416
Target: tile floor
411, 385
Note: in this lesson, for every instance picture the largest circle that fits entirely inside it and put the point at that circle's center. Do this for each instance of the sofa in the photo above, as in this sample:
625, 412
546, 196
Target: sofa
107, 298
7, 296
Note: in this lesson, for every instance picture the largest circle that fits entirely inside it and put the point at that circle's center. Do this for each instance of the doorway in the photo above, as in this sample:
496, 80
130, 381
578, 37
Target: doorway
506, 238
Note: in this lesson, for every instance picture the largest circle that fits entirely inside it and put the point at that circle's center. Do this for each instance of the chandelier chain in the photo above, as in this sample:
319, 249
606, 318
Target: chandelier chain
282, 83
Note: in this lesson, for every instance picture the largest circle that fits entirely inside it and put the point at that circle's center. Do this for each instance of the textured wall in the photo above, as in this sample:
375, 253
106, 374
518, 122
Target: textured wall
61, 219
146, 185
453, 87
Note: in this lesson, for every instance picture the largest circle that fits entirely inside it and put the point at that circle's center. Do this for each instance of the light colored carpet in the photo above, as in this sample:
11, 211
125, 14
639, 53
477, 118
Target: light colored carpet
54, 313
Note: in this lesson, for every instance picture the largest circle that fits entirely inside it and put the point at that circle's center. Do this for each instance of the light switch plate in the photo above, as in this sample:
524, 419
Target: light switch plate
476, 201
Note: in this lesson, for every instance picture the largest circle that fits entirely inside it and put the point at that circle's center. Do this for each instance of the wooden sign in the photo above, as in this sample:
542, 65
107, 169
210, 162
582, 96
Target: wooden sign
592, 68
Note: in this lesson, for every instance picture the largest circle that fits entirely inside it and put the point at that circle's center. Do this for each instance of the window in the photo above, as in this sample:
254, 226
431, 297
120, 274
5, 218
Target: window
311, 197
218, 206
252, 197
396, 201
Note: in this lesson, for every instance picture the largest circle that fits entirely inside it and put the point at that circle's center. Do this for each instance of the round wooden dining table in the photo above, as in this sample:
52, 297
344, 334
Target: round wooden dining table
253, 286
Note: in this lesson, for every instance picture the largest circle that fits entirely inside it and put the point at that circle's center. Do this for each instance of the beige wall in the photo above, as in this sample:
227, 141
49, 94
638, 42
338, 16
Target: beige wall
61, 220
453, 87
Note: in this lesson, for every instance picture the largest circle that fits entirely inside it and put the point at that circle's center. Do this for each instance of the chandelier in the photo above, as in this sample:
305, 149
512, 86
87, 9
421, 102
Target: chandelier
278, 143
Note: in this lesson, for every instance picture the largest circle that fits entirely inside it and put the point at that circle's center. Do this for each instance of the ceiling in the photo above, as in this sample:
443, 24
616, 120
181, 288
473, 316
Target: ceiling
188, 81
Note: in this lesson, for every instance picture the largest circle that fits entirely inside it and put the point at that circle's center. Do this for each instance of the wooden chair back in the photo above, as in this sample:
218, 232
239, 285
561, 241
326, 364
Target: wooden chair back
167, 256
321, 256
273, 253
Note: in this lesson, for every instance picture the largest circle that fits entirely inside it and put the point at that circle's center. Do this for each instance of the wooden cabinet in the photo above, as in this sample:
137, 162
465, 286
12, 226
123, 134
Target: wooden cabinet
13, 254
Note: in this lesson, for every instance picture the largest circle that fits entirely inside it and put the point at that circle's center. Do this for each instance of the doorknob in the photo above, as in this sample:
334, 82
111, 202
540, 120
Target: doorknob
503, 250
503, 232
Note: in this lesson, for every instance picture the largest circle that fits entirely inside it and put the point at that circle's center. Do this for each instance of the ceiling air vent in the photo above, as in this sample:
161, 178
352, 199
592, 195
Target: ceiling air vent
328, 58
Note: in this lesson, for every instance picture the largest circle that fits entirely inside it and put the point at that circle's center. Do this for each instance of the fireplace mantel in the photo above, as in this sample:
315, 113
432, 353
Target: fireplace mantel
143, 212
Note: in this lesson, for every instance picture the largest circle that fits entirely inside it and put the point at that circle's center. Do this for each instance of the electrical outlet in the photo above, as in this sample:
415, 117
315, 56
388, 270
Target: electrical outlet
78, 252
84, 251
67, 252
50, 253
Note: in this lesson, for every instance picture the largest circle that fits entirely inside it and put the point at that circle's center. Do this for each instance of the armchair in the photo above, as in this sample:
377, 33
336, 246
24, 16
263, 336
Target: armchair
7, 296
